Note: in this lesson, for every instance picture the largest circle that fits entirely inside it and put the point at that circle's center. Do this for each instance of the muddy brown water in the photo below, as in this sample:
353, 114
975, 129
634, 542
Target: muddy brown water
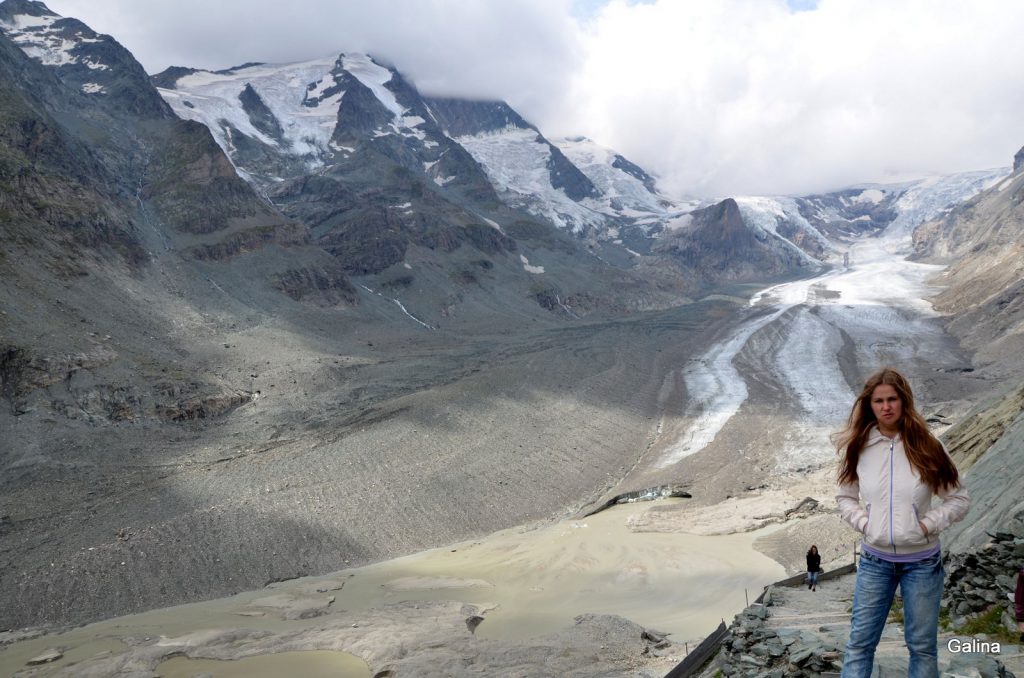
529, 581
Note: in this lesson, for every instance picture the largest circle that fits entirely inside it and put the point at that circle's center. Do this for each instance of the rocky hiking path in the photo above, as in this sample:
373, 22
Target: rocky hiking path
798, 632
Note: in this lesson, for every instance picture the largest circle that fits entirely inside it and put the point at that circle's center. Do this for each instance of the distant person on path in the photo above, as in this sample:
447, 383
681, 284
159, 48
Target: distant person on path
813, 567
890, 468
1018, 603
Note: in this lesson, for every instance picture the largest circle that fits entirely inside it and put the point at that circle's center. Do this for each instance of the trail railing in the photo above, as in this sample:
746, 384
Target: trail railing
695, 660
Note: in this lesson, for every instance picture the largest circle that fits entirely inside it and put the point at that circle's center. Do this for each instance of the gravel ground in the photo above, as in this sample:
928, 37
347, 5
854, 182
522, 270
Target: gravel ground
361, 447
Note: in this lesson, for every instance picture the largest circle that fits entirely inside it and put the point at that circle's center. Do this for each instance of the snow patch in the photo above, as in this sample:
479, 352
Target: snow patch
871, 195
374, 77
400, 305
679, 223
516, 162
38, 39
528, 267
93, 88
22, 22
490, 222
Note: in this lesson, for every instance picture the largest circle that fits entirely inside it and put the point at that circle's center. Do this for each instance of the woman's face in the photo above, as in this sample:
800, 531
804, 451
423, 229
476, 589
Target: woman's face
887, 406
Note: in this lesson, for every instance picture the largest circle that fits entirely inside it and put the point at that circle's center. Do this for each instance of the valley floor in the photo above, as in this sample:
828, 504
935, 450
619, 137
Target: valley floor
372, 446
358, 450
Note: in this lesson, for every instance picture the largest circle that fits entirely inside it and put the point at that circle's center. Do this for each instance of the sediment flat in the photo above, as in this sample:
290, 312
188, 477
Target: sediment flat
367, 446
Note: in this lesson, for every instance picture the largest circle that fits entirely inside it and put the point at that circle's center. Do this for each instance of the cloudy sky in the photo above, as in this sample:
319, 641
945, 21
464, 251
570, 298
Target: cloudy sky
716, 97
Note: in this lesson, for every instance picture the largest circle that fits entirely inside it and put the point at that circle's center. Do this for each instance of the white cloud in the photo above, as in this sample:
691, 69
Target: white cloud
717, 97
740, 96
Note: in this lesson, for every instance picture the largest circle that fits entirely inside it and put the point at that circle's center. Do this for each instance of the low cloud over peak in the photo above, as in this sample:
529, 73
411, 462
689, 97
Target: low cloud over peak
717, 97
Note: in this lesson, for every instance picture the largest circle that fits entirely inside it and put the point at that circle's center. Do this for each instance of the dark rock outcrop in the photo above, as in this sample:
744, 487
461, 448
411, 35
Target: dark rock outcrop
169, 77
261, 117
846, 213
327, 287
285, 234
720, 246
982, 240
567, 176
461, 117
634, 170
983, 578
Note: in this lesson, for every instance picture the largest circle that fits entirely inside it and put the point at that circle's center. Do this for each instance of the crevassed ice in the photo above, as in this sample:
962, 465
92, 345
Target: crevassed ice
516, 162
282, 87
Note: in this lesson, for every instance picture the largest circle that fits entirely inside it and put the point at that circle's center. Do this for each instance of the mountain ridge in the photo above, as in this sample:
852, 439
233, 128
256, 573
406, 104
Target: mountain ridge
230, 361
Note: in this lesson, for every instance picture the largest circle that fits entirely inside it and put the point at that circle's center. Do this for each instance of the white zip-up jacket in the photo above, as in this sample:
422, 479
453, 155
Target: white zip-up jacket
889, 501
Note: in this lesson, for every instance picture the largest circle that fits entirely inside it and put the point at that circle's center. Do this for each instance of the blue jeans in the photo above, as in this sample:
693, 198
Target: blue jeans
921, 586
812, 578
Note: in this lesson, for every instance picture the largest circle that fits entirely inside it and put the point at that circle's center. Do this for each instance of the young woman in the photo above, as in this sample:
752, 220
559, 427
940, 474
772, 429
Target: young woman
890, 468
813, 567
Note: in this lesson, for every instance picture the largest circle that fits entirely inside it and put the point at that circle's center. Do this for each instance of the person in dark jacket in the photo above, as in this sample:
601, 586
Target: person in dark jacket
813, 567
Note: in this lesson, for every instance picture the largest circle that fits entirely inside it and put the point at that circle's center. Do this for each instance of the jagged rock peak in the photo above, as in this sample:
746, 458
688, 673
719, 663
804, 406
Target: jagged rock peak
11, 8
168, 78
93, 64
1018, 160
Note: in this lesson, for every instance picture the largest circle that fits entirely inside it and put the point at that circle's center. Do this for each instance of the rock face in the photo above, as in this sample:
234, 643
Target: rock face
375, 127
719, 245
982, 241
989, 443
96, 65
461, 118
234, 378
851, 211
244, 352
83, 205
983, 293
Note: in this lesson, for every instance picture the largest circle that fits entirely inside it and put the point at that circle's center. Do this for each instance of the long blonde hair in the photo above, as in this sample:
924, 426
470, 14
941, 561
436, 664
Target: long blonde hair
924, 451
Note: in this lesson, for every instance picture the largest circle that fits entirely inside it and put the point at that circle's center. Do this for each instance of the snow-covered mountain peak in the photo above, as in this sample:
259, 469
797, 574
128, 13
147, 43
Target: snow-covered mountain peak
525, 168
374, 76
293, 108
46, 36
